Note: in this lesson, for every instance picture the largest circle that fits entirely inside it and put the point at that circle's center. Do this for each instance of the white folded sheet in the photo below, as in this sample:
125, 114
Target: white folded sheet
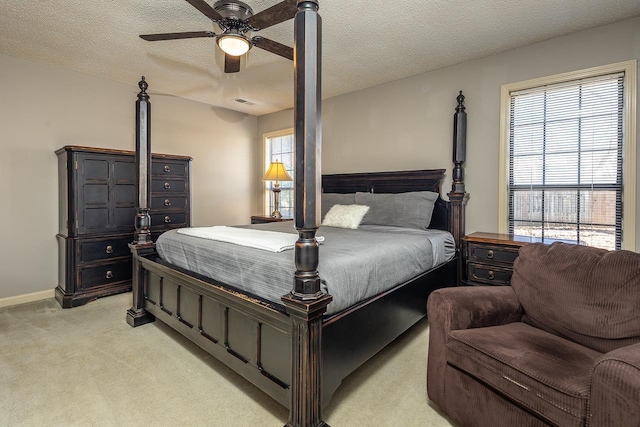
272, 241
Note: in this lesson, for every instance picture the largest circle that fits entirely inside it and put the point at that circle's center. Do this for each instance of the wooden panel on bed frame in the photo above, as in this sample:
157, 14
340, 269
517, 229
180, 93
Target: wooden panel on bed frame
297, 355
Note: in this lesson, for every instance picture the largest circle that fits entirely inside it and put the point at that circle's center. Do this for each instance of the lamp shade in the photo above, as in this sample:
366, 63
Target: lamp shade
234, 44
277, 172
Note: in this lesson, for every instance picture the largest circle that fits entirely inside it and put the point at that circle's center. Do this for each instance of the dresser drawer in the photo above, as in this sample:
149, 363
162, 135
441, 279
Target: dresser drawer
161, 186
492, 254
104, 249
169, 202
168, 220
106, 274
488, 274
160, 167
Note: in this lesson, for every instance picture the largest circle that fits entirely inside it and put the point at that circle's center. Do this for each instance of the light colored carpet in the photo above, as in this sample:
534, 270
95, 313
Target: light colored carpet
86, 367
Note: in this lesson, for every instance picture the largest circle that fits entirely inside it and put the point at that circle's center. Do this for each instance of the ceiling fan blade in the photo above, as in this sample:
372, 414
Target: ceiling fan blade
231, 63
205, 9
273, 47
276, 14
175, 36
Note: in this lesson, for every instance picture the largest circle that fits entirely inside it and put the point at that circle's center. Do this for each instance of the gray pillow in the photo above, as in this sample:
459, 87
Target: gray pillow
408, 210
330, 199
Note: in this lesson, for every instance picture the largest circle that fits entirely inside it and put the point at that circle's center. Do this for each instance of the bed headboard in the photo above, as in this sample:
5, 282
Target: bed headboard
394, 182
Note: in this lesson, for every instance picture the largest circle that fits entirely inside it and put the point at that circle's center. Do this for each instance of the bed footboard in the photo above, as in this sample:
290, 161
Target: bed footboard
246, 335
254, 339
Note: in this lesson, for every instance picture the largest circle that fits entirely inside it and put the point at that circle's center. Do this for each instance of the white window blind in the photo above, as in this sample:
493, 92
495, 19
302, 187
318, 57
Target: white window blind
565, 162
280, 147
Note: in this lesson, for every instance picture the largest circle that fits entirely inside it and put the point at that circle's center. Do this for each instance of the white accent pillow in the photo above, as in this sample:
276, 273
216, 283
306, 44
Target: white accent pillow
345, 216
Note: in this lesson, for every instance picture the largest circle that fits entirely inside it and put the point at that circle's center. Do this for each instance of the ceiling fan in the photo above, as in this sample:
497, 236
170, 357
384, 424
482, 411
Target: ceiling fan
236, 19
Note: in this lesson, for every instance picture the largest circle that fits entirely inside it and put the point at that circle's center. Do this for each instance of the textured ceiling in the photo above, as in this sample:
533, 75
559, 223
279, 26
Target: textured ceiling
365, 43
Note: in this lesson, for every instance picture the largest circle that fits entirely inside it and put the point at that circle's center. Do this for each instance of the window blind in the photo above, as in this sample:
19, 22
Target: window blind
565, 162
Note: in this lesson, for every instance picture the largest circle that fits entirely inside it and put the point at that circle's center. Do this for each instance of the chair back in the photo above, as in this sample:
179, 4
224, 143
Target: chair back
588, 295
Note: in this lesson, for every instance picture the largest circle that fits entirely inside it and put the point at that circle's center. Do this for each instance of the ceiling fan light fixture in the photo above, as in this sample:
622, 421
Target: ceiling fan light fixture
237, 22
234, 44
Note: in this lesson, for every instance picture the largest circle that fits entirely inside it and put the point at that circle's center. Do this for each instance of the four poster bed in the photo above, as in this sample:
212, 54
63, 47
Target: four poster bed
292, 347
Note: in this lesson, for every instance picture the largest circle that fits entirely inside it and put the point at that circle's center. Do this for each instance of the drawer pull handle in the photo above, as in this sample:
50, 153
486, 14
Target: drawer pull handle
167, 220
490, 254
167, 185
490, 275
167, 202
167, 168
109, 249
109, 274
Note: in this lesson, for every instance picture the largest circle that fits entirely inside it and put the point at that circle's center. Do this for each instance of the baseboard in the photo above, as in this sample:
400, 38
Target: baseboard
23, 299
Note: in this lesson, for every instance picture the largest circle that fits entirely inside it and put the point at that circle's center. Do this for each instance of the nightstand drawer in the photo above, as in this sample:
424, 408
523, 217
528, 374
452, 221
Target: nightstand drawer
487, 274
494, 254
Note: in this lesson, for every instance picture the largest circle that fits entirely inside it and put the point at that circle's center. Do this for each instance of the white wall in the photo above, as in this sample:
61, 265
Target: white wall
43, 108
408, 124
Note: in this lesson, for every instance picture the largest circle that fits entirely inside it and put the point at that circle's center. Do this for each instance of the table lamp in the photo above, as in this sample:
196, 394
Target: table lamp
277, 173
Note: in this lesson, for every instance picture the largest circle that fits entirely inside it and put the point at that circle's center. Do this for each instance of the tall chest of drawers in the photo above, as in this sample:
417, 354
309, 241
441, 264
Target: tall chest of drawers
97, 207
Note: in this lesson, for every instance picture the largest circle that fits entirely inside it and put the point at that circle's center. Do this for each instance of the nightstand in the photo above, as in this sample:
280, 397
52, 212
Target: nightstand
260, 219
489, 257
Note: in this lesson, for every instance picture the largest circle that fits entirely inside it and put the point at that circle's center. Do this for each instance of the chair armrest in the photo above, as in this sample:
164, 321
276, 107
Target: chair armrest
467, 307
615, 389
463, 307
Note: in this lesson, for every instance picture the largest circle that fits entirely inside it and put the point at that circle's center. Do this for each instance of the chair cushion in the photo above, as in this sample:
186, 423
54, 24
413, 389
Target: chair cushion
542, 372
589, 295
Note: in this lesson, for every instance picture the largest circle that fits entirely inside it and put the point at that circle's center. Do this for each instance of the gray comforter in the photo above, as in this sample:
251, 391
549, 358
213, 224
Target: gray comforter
354, 264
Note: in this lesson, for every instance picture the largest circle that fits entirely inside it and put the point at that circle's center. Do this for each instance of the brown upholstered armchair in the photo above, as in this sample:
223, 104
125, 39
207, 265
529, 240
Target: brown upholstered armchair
560, 346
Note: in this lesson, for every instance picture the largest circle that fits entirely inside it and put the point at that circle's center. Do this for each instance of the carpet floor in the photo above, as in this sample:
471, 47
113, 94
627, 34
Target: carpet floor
86, 367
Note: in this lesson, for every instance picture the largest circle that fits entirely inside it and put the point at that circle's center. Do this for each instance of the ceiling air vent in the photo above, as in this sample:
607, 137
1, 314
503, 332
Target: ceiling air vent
244, 101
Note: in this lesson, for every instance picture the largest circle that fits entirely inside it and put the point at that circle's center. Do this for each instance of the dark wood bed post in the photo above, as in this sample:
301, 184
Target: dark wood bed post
307, 302
142, 244
458, 196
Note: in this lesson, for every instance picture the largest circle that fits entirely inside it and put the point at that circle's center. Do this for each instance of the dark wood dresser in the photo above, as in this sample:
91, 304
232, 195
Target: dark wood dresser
489, 257
97, 198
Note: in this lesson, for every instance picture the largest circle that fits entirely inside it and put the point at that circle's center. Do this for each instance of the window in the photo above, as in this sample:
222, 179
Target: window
279, 146
570, 158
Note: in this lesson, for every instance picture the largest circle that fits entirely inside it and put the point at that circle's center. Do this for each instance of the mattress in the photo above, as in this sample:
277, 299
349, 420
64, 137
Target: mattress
354, 264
